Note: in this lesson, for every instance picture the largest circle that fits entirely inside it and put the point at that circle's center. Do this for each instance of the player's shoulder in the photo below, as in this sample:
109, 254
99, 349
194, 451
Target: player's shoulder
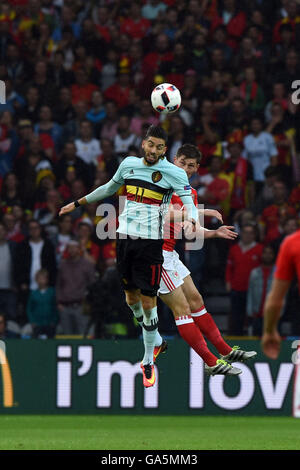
174, 170
292, 241
131, 162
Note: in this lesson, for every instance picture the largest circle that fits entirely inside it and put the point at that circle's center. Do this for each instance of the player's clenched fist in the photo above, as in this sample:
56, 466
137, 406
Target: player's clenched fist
68, 208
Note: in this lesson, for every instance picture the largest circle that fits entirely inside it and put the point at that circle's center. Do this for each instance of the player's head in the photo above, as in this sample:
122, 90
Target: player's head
188, 157
154, 144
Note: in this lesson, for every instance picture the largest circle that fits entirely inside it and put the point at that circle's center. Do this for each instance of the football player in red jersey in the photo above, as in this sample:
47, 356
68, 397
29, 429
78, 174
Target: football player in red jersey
178, 291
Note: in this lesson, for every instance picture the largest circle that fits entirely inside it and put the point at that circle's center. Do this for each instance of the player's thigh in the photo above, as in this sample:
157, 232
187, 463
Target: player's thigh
192, 294
125, 257
177, 302
147, 265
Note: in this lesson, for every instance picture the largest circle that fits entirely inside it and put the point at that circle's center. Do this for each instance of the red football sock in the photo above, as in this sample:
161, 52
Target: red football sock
207, 326
193, 336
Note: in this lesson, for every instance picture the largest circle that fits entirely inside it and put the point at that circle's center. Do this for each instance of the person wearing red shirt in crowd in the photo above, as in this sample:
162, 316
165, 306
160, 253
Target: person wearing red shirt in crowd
134, 24
82, 90
283, 130
89, 249
273, 216
234, 20
173, 71
240, 172
207, 131
152, 61
242, 258
119, 91
103, 22
287, 268
216, 188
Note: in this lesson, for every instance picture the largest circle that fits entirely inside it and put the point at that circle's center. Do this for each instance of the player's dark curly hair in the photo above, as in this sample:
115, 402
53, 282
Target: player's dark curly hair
189, 151
156, 131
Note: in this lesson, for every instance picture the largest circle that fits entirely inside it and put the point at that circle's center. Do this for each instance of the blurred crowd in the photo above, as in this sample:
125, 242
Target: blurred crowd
78, 77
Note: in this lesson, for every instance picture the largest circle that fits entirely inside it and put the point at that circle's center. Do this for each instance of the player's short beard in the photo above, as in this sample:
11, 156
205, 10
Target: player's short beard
153, 163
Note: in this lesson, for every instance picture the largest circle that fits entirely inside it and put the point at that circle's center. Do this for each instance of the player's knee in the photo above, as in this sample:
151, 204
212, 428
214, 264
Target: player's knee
132, 297
196, 301
181, 310
148, 303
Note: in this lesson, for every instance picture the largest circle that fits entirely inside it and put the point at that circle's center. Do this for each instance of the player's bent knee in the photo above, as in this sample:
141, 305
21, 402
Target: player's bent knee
181, 310
132, 297
196, 302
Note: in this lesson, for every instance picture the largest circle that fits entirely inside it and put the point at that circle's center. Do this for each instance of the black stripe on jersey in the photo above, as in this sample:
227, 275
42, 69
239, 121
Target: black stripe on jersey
146, 185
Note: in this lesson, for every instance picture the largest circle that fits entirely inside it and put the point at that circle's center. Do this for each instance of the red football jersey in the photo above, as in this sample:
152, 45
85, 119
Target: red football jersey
288, 259
174, 229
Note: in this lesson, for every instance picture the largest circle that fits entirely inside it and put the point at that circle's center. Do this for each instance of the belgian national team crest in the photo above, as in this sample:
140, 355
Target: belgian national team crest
156, 176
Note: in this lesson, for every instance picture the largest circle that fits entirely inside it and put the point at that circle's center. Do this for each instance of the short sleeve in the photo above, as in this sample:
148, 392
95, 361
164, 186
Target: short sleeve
119, 174
285, 267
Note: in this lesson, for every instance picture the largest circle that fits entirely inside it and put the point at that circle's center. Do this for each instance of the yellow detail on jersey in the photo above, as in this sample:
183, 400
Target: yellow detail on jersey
143, 192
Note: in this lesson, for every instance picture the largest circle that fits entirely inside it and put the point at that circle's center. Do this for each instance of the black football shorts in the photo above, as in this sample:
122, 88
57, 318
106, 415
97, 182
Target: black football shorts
139, 264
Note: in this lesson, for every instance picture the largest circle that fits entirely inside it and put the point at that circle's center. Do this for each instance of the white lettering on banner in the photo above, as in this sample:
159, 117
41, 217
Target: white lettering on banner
274, 394
196, 398
127, 373
295, 95
296, 391
273, 388
245, 395
85, 355
64, 377
2, 92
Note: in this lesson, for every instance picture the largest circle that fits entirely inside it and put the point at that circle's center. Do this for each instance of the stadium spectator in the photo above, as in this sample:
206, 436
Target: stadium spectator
82, 89
61, 238
13, 228
124, 137
8, 266
260, 150
5, 332
89, 249
97, 112
242, 258
258, 288
87, 147
135, 25
108, 160
45, 125
10, 190
70, 159
215, 186
290, 226
41, 307
75, 274
274, 215
240, 172
64, 111
36, 252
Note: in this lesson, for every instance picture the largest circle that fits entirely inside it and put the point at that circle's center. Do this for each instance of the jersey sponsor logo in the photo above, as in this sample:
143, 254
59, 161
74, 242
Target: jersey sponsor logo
131, 172
156, 176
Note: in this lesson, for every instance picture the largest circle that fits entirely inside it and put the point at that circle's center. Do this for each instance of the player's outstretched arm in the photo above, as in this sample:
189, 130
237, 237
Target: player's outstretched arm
104, 191
226, 231
72, 205
211, 213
